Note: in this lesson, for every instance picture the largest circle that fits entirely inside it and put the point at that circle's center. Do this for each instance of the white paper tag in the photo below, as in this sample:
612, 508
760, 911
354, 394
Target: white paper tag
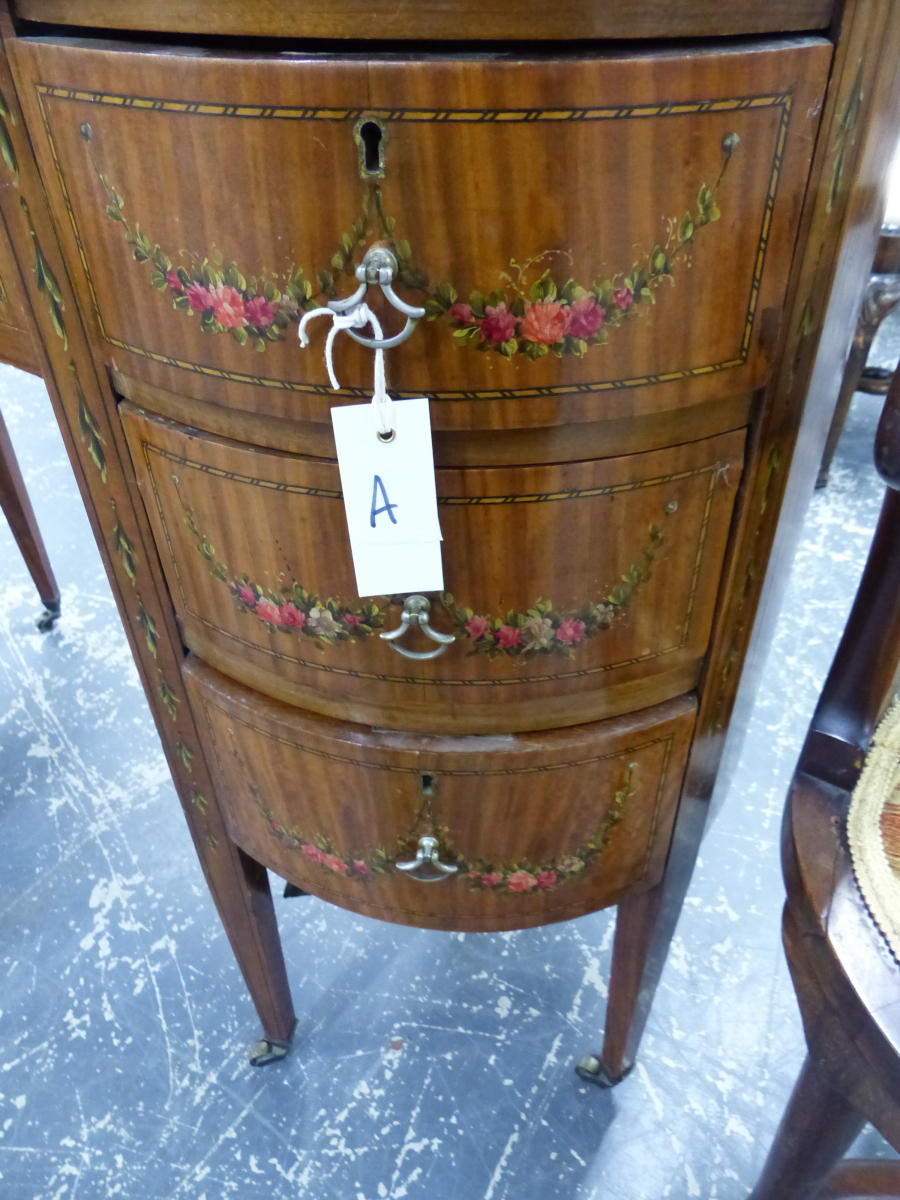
390, 498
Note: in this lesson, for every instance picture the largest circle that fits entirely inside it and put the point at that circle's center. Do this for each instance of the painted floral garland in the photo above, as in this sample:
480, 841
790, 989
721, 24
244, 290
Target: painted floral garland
538, 630
518, 318
541, 629
525, 876
292, 609
529, 876
567, 318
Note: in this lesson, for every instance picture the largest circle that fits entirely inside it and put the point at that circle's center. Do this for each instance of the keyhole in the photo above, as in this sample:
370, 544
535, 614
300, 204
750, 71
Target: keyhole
427, 782
370, 137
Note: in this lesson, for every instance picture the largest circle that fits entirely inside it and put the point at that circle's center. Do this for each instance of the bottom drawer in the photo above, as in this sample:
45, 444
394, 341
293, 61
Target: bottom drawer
539, 826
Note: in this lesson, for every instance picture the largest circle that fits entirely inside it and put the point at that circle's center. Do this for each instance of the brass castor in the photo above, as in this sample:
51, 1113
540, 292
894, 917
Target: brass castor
591, 1070
49, 616
267, 1050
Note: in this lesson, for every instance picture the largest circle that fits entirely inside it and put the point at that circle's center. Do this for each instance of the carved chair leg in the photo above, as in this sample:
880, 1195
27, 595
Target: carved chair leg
240, 888
818, 1127
644, 927
882, 296
18, 511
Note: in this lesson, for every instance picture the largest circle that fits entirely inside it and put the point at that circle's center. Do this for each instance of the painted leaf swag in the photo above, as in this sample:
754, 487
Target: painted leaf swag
523, 316
292, 609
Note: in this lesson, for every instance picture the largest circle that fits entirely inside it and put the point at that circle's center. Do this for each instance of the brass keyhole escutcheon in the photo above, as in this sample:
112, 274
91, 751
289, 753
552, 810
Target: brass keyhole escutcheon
370, 136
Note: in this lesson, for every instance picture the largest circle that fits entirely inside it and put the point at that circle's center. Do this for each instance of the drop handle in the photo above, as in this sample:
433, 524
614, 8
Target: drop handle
427, 867
379, 266
415, 612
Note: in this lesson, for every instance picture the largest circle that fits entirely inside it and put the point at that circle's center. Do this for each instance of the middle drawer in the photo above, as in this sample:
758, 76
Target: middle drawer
575, 591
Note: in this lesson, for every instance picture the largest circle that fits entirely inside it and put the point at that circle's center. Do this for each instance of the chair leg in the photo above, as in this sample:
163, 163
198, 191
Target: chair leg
818, 1127
882, 295
18, 511
645, 925
857, 1177
240, 889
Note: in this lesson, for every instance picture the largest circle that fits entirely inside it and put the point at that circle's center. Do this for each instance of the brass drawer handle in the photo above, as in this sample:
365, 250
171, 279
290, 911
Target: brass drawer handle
427, 867
415, 612
379, 266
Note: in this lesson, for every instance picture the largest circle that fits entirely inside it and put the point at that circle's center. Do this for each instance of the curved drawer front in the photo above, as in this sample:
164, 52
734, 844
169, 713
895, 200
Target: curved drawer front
574, 591
595, 238
540, 827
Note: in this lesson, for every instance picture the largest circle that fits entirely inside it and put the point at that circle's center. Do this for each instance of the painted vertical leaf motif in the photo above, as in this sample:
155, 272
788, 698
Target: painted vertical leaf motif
46, 282
148, 627
123, 546
7, 150
168, 697
88, 428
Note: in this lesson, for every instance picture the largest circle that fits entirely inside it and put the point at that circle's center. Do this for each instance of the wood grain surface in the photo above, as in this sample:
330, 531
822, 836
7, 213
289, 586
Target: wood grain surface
530, 175
669, 182
240, 530
453, 19
543, 827
16, 323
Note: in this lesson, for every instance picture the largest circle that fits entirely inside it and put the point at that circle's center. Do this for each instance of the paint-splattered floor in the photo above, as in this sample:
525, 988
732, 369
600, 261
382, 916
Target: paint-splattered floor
124, 1022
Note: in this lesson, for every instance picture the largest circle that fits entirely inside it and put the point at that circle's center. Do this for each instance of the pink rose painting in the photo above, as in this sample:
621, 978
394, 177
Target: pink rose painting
260, 312
247, 596
544, 322
585, 318
499, 325
268, 612
313, 853
571, 632
477, 627
199, 297
623, 297
521, 881
509, 636
461, 312
491, 879
291, 616
546, 879
228, 306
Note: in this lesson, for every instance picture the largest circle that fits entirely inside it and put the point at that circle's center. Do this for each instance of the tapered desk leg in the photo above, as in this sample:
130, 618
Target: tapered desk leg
816, 1131
240, 888
644, 927
18, 511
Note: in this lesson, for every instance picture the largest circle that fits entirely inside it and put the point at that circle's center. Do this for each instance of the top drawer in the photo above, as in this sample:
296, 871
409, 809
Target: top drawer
593, 237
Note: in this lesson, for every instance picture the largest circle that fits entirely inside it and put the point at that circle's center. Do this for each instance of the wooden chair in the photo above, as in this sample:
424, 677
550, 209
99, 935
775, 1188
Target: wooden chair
846, 980
881, 298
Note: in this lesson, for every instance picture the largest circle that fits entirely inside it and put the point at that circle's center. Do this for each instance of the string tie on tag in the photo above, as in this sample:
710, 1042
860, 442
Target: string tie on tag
357, 317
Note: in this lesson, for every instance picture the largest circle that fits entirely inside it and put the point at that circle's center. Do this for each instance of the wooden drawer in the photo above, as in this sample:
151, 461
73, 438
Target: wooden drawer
541, 827
595, 238
576, 590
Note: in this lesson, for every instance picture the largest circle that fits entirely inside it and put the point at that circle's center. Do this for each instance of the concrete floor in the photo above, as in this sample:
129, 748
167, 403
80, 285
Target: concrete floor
124, 1021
